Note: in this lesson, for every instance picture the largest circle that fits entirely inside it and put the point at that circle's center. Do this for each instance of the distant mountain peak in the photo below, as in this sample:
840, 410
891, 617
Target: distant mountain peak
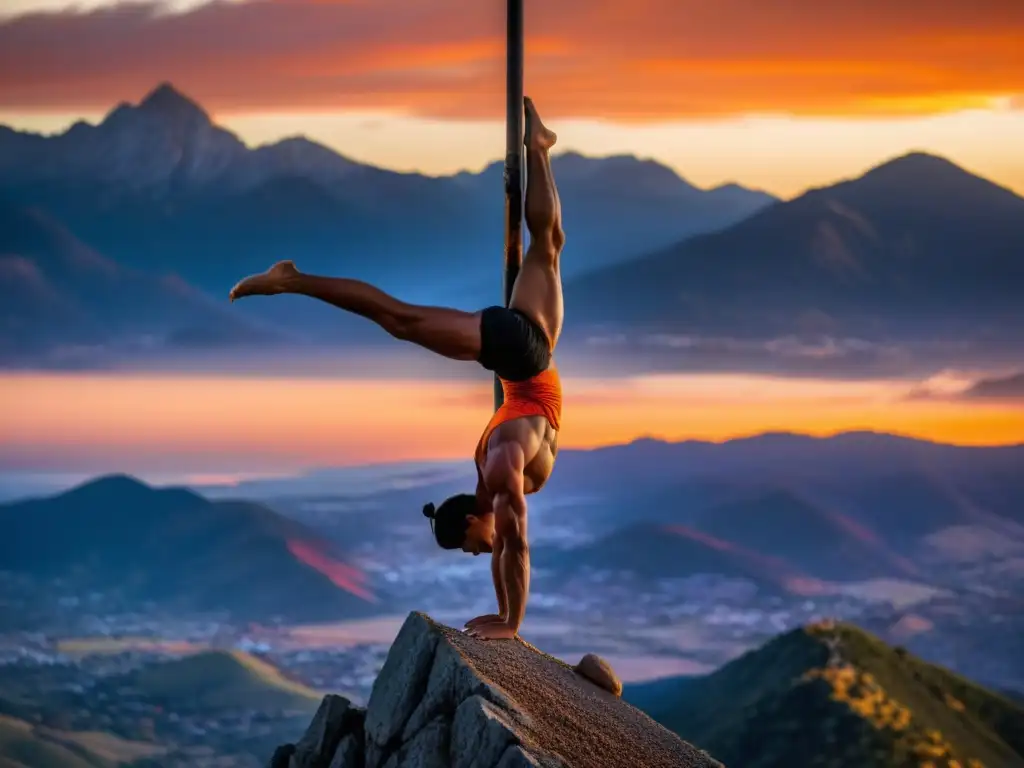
301, 152
921, 158
921, 176
114, 484
916, 164
623, 168
167, 101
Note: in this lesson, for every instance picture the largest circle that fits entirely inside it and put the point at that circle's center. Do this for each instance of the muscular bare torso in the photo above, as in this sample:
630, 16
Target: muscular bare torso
539, 441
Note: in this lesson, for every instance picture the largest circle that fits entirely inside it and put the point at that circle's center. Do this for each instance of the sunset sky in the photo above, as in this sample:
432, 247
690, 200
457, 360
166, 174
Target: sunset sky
778, 95
237, 425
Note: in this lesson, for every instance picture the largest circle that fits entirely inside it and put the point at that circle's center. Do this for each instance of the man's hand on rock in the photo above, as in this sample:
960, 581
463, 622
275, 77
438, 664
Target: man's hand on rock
490, 618
494, 630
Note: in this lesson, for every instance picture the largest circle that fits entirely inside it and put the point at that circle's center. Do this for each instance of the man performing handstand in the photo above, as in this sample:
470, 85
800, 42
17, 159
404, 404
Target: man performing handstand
516, 453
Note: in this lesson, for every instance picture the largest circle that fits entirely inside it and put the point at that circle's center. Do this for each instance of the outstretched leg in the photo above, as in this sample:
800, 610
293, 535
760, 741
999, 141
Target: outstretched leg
448, 332
538, 289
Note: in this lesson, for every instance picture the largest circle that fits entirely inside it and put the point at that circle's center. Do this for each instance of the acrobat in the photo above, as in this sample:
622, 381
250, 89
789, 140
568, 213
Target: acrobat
516, 452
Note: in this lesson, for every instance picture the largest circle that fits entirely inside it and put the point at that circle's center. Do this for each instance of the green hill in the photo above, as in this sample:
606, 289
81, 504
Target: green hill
23, 746
219, 680
185, 553
834, 696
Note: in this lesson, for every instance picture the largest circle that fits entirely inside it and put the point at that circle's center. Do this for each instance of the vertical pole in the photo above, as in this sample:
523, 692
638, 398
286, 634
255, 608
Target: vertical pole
513, 157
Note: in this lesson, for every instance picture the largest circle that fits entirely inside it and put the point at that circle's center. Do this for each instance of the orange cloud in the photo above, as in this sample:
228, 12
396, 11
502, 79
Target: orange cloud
618, 59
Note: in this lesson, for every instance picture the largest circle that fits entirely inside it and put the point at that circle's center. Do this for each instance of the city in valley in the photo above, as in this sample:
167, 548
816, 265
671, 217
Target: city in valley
77, 658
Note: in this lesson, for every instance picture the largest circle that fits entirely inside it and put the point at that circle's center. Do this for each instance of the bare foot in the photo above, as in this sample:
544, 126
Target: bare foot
491, 618
498, 630
274, 280
536, 136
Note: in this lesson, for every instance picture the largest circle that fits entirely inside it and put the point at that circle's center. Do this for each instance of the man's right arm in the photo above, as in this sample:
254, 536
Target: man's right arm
499, 583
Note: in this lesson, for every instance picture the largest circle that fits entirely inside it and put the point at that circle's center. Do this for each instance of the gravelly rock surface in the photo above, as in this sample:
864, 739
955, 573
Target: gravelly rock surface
447, 700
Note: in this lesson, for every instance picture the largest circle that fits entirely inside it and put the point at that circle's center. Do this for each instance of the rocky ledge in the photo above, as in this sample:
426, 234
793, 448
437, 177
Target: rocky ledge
447, 700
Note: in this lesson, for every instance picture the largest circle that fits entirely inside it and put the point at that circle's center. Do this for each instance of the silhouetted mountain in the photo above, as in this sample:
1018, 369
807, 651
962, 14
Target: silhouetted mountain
816, 539
776, 540
910, 267
181, 551
160, 185
912, 502
675, 551
876, 496
62, 303
916, 249
777, 459
844, 508
834, 695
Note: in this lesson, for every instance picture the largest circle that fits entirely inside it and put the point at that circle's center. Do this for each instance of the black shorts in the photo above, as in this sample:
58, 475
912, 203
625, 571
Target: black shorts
512, 345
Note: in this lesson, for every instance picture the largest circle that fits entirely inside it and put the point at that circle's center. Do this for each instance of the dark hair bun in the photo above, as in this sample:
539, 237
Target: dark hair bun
428, 511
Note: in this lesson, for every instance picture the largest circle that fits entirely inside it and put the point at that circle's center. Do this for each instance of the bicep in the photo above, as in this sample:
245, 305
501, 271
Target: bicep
504, 478
503, 473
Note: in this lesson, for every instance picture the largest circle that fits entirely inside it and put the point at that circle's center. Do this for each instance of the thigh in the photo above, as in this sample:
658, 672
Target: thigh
449, 332
538, 292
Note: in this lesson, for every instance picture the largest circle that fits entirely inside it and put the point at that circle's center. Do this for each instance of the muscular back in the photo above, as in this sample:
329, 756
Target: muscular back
539, 442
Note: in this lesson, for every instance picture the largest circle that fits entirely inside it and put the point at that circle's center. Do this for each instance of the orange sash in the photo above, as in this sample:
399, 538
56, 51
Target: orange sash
537, 396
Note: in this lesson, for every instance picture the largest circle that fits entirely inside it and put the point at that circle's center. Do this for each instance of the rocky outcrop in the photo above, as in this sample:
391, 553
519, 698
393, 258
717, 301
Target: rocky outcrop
447, 700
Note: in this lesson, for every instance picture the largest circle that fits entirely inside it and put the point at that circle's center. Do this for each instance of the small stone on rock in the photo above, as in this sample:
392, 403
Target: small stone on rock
600, 673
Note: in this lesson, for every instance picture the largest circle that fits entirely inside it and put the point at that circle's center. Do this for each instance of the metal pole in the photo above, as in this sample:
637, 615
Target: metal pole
513, 157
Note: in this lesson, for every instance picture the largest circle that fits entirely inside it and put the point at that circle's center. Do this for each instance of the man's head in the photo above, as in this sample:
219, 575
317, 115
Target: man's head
459, 523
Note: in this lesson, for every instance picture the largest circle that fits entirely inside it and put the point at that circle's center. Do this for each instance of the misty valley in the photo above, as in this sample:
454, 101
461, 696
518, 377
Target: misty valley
200, 626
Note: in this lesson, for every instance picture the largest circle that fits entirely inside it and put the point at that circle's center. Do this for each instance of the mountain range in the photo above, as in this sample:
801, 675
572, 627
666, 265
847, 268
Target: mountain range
63, 299
915, 263
831, 694
911, 267
791, 513
173, 548
158, 187
788, 512
774, 538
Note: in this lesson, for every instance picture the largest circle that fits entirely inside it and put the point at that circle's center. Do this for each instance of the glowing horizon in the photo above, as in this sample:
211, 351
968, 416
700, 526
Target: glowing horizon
215, 425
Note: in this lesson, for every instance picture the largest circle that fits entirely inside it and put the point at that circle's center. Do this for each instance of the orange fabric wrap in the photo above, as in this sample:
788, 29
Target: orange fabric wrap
538, 396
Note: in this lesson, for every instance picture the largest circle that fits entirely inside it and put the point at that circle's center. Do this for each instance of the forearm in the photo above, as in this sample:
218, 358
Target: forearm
499, 581
515, 559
